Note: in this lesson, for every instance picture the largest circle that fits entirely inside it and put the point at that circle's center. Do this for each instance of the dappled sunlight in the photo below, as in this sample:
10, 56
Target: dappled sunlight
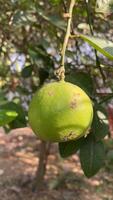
28, 158
19, 164
95, 182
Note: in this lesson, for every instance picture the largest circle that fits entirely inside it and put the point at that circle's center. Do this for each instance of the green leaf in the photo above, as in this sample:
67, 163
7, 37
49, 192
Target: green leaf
2, 98
19, 120
17, 16
6, 116
53, 19
43, 75
100, 125
83, 80
27, 71
55, 2
110, 156
32, 53
68, 148
92, 155
102, 45
39, 53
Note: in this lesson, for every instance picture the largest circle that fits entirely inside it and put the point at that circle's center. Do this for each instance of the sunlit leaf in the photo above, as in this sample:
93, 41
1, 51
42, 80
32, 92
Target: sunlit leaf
102, 45
6, 116
99, 128
18, 120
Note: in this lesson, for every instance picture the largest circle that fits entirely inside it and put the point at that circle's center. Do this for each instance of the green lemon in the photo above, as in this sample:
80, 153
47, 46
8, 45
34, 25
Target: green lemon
60, 111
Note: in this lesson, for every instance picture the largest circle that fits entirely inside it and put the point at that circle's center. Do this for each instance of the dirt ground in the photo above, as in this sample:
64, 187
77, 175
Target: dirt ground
19, 152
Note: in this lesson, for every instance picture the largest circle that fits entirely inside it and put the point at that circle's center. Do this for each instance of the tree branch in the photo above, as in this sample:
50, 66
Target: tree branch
61, 71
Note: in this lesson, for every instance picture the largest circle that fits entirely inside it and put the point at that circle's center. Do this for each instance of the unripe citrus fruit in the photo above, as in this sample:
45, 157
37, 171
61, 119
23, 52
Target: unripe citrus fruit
60, 111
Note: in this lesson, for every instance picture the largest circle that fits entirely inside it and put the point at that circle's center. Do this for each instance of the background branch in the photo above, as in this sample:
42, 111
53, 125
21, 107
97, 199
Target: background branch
89, 16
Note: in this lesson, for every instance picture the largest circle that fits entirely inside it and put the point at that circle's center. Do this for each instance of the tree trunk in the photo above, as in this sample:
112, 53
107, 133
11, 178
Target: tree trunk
41, 170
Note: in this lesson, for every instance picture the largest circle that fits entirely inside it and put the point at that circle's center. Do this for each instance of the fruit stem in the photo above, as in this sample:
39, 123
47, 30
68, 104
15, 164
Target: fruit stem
61, 71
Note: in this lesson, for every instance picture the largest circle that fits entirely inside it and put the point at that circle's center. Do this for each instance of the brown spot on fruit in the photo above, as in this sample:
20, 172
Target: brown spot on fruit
50, 93
73, 104
71, 135
76, 94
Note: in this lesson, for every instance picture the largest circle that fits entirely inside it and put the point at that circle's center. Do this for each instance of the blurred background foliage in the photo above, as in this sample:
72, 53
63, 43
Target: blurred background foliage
31, 37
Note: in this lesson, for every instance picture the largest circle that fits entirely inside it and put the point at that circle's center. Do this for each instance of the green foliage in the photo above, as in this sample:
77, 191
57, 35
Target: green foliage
66, 149
100, 126
55, 2
15, 118
110, 156
27, 72
83, 80
2, 98
43, 75
92, 156
55, 20
102, 45
7, 116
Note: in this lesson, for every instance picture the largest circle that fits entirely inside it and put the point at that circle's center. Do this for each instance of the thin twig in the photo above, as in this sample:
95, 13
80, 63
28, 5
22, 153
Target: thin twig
61, 71
92, 33
106, 99
67, 32
64, 5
